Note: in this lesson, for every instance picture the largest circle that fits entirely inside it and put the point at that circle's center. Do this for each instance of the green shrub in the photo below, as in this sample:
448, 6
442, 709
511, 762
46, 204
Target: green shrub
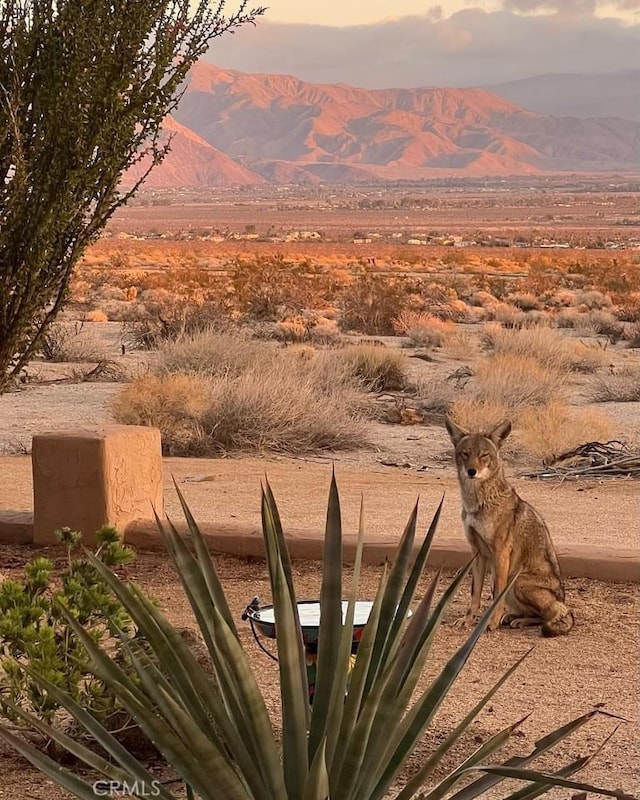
36, 637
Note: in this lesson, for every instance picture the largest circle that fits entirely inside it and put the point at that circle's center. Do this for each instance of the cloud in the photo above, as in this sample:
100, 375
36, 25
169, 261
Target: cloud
472, 47
569, 7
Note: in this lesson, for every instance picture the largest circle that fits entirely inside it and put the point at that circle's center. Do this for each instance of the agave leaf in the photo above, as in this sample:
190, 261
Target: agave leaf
242, 699
238, 688
436, 757
342, 774
71, 745
156, 729
488, 747
132, 768
413, 640
265, 761
415, 574
398, 684
63, 777
541, 746
337, 700
383, 762
317, 787
397, 578
331, 628
529, 793
550, 780
278, 558
207, 564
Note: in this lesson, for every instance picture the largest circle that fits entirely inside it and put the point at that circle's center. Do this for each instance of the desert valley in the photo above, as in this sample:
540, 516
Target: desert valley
312, 280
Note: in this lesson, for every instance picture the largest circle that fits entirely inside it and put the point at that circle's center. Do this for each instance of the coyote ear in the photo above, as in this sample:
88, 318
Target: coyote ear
456, 433
500, 432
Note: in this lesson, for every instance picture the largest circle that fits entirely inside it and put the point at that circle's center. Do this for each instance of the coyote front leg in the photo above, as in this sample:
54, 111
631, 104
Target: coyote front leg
478, 572
500, 580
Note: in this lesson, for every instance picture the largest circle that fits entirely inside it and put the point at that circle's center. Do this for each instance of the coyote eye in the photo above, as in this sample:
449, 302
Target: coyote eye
464, 454
484, 455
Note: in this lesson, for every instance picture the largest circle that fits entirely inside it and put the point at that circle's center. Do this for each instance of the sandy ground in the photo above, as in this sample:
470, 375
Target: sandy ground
598, 662
228, 491
562, 678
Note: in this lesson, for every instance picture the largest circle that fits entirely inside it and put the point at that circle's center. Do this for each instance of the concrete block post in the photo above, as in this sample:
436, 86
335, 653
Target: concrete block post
84, 479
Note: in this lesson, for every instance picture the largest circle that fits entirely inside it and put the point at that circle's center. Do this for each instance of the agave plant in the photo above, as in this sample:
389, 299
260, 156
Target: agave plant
355, 740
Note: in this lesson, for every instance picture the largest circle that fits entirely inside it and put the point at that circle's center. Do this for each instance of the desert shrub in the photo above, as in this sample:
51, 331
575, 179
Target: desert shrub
423, 329
371, 303
525, 301
155, 323
71, 342
545, 345
286, 404
434, 394
622, 387
460, 345
264, 286
213, 353
473, 414
631, 335
35, 634
592, 299
540, 432
483, 299
174, 403
376, 367
545, 432
515, 381
97, 316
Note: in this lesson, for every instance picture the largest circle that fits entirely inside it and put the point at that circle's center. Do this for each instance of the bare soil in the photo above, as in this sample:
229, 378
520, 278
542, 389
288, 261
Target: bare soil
561, 678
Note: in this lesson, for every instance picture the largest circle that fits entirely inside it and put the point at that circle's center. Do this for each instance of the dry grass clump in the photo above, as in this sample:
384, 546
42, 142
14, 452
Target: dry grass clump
515, 382
547, 346
377, 368
176, 404
525, 301
282, 405
623, 387
540, 432
545, 432
423, 329
213, 353
72, 342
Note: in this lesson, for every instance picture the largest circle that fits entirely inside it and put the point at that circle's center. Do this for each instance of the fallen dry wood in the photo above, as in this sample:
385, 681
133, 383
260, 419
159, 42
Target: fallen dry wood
591, 460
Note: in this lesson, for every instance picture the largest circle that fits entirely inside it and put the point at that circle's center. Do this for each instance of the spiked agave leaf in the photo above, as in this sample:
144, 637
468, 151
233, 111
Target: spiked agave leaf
353, 745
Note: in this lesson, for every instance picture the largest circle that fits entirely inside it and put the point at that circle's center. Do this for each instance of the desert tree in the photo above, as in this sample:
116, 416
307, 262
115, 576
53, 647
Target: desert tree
84, 87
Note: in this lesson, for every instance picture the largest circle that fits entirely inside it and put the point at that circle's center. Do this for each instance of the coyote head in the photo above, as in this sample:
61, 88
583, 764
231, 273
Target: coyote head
477, 455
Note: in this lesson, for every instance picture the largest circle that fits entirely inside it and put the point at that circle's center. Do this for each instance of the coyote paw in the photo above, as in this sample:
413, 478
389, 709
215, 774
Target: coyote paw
468, 621
494, 624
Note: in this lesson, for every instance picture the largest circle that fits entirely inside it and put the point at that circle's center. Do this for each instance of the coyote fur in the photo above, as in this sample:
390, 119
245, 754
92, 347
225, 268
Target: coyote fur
507, 535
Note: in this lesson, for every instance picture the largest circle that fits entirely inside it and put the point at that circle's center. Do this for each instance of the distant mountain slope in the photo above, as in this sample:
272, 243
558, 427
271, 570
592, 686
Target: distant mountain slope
237, 128
392, 133
615, 94
192, 162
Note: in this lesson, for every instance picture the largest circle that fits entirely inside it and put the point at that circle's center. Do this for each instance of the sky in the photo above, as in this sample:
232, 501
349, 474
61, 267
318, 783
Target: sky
359, 12
446, 43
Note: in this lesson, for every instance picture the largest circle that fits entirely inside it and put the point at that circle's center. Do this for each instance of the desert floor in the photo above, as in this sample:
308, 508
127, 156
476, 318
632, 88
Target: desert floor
598, 663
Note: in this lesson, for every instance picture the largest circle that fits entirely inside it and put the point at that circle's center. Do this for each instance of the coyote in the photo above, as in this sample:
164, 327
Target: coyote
509, 536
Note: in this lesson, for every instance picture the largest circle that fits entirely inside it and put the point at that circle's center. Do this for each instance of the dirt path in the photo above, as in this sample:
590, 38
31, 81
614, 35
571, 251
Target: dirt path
561, 678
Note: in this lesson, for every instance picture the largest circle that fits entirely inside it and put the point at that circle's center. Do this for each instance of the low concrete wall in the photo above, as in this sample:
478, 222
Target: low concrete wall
576, 561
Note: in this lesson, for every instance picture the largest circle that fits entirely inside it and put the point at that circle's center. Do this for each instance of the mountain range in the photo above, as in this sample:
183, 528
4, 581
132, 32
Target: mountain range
235, 128
606, 94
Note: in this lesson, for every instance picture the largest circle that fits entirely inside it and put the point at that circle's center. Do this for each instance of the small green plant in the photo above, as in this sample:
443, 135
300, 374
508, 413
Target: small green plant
36, 637
353, 743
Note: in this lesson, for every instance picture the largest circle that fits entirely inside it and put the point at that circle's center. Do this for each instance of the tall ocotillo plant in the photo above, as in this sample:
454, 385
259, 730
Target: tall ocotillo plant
84, 87
355, 741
